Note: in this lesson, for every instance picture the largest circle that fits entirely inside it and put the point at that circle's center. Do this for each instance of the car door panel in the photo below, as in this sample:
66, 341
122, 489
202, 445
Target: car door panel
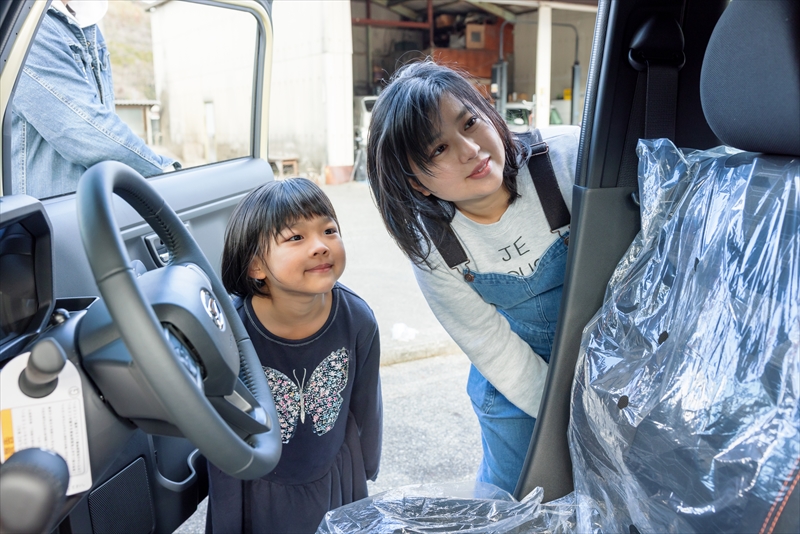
203, 197
141, 483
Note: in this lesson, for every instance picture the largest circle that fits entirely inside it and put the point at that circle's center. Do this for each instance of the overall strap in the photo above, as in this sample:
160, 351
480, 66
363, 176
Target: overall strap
445, 240
546, 184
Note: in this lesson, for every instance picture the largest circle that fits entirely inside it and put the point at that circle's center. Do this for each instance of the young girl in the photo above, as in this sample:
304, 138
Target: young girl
489, 245
319, 346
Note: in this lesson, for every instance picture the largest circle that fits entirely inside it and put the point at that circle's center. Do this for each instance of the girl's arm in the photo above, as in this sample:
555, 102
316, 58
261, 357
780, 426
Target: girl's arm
366, 404
484, 335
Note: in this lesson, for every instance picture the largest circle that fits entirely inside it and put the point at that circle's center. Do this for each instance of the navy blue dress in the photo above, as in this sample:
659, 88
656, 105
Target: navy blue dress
328, 397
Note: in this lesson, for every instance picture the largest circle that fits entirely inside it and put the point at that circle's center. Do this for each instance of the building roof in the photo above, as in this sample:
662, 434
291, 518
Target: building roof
507, 9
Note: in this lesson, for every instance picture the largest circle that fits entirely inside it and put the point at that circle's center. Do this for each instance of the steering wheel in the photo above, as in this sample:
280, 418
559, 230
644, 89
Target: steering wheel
180, 327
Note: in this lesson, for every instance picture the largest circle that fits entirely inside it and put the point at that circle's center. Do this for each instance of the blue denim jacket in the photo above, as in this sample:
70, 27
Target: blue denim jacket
63, 118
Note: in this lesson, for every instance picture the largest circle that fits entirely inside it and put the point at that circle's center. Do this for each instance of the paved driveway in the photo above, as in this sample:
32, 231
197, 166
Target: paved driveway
382, 275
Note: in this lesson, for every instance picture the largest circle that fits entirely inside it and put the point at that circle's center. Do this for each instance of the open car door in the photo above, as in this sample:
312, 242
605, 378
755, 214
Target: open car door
115, 305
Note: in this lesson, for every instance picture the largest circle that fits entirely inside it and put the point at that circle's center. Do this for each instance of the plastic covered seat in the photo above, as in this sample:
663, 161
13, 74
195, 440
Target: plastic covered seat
685, 412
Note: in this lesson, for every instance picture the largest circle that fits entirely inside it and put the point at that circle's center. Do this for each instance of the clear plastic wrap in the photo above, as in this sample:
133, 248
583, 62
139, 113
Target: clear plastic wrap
684, 413
469, 508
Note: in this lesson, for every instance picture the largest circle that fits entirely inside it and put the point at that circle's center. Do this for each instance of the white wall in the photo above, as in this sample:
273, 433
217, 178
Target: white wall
192, 71
311, 102
563, 52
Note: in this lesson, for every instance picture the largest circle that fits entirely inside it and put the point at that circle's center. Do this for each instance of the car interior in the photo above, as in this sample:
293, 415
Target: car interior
118, 338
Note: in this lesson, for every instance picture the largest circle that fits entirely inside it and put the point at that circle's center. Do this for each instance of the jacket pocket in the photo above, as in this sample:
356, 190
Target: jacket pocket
77, 55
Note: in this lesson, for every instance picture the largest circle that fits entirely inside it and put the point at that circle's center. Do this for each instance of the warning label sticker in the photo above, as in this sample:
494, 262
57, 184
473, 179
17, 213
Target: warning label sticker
56, 422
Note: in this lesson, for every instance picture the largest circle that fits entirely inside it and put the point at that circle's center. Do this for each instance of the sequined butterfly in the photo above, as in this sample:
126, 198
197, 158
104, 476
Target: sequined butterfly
319, 398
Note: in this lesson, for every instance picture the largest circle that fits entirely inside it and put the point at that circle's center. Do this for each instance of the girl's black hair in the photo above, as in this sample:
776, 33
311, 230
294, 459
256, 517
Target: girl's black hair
258, 219
405, 121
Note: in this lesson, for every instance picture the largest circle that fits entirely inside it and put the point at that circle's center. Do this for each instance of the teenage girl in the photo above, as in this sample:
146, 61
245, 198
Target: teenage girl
489, 246
319, 347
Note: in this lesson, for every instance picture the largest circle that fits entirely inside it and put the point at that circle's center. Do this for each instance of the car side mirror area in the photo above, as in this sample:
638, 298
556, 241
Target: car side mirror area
33, 488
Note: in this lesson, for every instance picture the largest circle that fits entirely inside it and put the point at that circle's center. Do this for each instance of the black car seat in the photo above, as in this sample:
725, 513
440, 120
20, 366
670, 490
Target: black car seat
685, 412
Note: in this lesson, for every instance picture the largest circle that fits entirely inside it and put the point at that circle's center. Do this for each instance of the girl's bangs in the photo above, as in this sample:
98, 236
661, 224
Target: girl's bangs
295, 201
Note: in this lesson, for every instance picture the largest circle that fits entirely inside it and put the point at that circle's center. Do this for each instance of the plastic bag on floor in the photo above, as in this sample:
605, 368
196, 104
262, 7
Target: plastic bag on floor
469, 507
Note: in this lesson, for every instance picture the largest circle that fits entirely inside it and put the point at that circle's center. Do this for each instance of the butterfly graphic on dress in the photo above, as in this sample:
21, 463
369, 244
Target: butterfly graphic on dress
320, 398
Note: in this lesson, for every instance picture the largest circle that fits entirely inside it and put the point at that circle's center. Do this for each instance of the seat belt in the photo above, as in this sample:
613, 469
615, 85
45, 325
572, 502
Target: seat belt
546, 184
657, 53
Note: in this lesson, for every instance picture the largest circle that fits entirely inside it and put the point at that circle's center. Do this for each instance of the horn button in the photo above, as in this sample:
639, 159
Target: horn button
182, 299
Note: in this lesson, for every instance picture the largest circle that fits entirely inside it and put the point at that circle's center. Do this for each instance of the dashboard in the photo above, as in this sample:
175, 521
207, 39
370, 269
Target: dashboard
26, 284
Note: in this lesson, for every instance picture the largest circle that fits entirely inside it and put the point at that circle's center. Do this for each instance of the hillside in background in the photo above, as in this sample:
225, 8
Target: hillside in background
126, 28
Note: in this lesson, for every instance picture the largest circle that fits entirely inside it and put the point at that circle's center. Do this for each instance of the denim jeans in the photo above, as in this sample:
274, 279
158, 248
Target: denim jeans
530, 304
505, 433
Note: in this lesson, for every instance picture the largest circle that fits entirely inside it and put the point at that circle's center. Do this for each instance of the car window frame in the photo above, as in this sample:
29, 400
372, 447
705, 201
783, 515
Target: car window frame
25, 27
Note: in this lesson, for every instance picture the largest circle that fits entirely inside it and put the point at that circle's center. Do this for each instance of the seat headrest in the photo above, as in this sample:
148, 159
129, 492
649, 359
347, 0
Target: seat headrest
750, 83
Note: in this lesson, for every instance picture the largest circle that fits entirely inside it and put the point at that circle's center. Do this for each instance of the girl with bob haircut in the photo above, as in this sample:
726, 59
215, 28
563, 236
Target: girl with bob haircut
319, 346
483, 215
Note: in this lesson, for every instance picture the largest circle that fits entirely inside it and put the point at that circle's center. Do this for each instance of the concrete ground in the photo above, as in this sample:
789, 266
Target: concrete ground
382, 276
430, 431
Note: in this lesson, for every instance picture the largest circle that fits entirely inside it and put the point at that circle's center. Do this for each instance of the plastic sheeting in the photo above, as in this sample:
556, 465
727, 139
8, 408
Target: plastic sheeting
469, 508
685, 401
685, 413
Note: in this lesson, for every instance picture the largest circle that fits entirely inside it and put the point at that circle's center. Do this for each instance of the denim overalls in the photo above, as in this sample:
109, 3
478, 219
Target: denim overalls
530, 304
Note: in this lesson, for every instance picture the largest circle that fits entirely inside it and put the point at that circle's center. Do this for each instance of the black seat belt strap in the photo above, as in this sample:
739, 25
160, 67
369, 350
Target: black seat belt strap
657, 53
652, 116
662, 101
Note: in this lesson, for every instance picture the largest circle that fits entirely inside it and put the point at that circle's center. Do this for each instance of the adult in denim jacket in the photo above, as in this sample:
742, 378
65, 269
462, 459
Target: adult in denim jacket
63, 118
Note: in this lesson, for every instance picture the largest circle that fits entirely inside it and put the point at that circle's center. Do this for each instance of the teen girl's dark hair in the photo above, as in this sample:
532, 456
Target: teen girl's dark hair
258, 219
405, 122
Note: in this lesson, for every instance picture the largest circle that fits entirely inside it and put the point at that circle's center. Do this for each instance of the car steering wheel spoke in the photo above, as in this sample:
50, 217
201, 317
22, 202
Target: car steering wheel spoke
242, 411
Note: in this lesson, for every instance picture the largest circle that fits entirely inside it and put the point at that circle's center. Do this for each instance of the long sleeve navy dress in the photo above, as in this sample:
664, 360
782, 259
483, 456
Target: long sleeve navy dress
328, 397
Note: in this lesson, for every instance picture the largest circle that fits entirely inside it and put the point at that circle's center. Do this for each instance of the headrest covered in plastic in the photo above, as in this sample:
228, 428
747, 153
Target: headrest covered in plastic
750, 83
